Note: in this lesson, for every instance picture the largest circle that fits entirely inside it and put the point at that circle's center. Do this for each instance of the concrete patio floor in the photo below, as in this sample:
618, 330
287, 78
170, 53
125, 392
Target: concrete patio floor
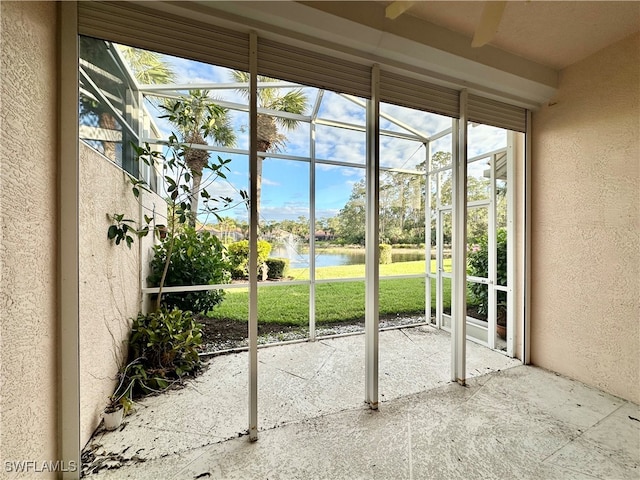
510, 421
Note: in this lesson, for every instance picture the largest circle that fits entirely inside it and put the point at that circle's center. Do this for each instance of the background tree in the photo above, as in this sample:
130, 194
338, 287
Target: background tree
98, 62
351, 218
270, 138
227, 225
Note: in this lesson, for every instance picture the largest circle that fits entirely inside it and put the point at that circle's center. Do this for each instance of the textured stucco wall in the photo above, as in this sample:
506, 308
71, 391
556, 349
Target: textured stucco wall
585, 310
109, 280
28, 117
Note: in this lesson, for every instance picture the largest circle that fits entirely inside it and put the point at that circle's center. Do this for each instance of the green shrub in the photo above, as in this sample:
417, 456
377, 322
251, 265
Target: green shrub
163, 348
238, 253
197, 259
385, 253
409, 245
277, 268
478, 266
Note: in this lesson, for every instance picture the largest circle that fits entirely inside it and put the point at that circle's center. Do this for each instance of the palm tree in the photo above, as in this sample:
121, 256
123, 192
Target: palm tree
148, 67
197, 118
226, 226
270, 139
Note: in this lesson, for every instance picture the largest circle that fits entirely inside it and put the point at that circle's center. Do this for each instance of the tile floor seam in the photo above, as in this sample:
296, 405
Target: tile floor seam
190, 432
324, 342
402, 330
193, 460
582, 433
623, 404
221, 440
428, 355
306, 419
580, 472
323, 364
292, 374
568, 442
491, 376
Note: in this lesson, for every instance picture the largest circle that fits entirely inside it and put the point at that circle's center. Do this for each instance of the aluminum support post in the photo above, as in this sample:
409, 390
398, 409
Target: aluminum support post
372, 240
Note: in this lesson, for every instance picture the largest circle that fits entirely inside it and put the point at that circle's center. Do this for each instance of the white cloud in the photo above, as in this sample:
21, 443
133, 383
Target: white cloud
427, 123
483, 138
336, 107
271, 183
400, 153
283, 212
340, 144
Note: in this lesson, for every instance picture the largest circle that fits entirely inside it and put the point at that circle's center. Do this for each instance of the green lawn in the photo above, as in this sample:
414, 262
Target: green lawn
354, 271
335, 302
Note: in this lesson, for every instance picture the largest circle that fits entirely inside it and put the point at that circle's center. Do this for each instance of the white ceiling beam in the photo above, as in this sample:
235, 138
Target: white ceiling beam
395, 9
489, 23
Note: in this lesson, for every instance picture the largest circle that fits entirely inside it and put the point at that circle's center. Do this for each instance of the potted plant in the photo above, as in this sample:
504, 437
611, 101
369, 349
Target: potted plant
113, 413
501, 321
119, 402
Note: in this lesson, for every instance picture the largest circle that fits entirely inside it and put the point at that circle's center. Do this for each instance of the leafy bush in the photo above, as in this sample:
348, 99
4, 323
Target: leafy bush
409, 245
238, 253
163, 346
385, 253
277, 267
478, 266
197, 259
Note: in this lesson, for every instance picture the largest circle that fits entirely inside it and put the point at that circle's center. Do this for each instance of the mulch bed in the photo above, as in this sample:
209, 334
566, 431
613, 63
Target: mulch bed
222, 334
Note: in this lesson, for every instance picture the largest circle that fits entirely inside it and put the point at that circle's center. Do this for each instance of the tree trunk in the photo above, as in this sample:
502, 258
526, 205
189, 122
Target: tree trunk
109, 124
194, 197
267, 138
258, 189
196, 160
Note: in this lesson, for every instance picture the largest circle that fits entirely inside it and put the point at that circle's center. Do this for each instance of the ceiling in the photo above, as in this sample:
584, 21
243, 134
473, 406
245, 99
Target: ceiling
432, 40
551, 33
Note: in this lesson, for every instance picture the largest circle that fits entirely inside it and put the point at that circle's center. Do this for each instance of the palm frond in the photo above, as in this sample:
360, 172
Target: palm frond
293, 101
148, 67
199, 113
241, 77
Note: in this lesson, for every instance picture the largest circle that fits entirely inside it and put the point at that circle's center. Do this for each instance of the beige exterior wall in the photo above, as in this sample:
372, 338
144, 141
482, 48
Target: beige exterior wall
28, 232
110, 281
109, 276
585, 313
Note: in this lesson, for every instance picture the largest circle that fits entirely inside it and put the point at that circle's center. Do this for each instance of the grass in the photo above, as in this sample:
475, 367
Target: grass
354, 271
335, 301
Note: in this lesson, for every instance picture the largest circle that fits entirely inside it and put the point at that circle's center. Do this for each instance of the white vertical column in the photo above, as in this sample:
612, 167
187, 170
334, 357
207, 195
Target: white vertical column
526, 314
312, 233
68, 243
511, 240
371, 240
253, 237
492, 259
459, 251
427, 232
439, 252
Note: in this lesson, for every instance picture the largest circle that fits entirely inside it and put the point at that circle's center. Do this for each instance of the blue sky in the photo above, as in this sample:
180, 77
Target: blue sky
285, 186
